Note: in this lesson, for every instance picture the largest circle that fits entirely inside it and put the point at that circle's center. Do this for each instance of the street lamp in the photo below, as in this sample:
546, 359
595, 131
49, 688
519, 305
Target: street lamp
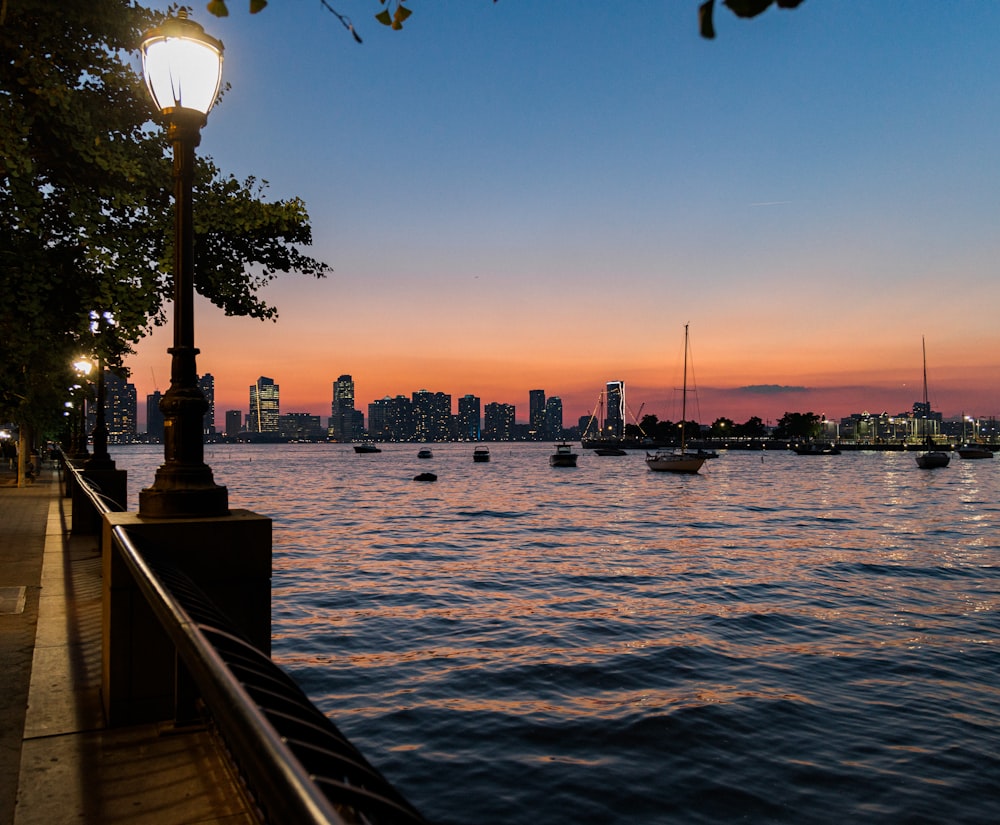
183, 70
82, 367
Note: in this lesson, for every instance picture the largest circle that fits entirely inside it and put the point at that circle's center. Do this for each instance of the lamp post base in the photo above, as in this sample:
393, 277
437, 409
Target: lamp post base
172, 497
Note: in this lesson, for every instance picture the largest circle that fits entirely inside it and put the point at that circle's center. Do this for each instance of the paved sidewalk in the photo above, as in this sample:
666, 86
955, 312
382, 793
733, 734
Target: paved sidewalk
56, 754
23, 512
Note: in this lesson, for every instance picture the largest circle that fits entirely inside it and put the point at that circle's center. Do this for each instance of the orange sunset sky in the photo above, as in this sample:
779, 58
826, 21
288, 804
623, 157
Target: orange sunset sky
514, 196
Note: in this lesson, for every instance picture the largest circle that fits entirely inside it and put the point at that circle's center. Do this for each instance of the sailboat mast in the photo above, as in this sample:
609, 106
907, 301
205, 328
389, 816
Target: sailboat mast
684, 391
923, 343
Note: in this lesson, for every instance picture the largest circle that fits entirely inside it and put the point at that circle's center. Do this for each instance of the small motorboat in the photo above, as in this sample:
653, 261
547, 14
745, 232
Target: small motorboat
366, 447
815, 448
481, 454
425, 452
974, 451
563, 456
610, 451
425, 477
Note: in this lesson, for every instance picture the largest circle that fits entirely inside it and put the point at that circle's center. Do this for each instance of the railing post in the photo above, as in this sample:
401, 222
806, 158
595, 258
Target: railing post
228, 557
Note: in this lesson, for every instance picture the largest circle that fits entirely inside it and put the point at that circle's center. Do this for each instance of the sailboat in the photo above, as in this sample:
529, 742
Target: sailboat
678, 461
932, 458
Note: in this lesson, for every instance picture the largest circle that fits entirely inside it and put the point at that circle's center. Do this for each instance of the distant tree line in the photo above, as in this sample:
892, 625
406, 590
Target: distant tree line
792, 425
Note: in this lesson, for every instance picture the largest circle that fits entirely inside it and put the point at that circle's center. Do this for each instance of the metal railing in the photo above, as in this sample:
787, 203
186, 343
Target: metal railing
297, 766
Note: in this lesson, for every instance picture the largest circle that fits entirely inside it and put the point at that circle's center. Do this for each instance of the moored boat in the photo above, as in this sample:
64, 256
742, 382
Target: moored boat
425, 452
675, 462
932, 459
610, 451
815, 448
481, 454
974, 451
678, 461
563, 456
366, 447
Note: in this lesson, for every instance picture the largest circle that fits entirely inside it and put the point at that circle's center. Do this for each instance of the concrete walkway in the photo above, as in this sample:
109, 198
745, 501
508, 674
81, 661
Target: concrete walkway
59, 762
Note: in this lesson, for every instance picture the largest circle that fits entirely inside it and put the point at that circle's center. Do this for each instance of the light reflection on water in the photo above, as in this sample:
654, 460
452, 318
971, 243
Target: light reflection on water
779, 639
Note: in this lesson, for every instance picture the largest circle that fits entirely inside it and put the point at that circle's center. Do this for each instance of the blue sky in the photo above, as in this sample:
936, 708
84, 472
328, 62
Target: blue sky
517, 195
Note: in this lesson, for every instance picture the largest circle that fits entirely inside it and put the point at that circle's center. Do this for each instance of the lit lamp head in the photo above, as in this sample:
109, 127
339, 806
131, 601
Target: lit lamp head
183, 69
82, 367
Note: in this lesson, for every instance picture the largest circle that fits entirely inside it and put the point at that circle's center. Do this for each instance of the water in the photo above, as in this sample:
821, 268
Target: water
780, 639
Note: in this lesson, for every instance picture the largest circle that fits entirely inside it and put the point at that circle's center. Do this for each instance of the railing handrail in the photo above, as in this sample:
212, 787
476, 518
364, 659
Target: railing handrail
298, 766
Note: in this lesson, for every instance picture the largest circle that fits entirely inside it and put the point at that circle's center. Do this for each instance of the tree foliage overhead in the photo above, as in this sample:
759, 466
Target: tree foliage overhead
741, 8
394, 12
86, 208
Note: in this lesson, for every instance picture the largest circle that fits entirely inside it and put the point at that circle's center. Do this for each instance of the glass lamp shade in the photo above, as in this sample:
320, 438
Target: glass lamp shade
182, 65
82, 366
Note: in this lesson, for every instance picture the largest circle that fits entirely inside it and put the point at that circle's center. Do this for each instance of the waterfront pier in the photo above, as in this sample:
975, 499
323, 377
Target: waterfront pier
59, 761
239, 742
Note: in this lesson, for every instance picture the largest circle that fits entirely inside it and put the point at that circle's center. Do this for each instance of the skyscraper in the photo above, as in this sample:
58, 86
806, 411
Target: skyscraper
234, 423
391, 419
499, 422
431, 415
120, 407
264, 406
154, 417
554, 418
614, 419
342, 409
207, 385
536, 414
469, 423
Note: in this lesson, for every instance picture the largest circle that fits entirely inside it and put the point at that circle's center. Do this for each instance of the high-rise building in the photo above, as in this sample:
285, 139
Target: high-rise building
614, 418
431, 415
207, 385
234, 423
342, 409
378, 418
265, 406
120, 407
469, 423
554, 418
926, 422
498, 424
391, 419
536, 414
154, 417
300, 426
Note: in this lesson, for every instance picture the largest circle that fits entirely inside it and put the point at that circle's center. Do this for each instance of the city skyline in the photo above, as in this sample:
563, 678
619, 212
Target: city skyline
611, 404
517, 197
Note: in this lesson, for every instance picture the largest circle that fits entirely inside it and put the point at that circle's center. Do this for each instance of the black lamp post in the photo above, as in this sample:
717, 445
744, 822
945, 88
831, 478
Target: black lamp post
82, 367
183, 70
101, 459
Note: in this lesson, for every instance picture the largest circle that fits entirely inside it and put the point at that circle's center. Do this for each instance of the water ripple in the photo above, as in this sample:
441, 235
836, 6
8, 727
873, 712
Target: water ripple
777, 640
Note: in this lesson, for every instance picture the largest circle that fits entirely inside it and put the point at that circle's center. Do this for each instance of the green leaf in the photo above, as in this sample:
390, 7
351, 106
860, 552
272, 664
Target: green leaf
384, 17
257, 5
218, 8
